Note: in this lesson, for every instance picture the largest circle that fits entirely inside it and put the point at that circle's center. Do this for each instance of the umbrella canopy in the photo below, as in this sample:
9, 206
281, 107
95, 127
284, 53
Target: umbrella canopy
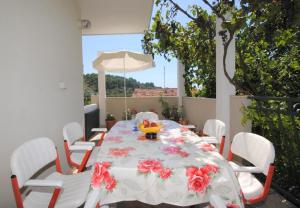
123, 61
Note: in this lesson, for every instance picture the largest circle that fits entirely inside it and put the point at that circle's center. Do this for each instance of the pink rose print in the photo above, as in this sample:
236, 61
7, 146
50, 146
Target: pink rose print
229, 205
150, 165
207, 147
173, 150
184, 154
116, 139
146, 166
198, 183
183, 129
165, 173
110, 183
120, 152
125, 132
101, 175
178, 140
171, 140
210, 168
199, 178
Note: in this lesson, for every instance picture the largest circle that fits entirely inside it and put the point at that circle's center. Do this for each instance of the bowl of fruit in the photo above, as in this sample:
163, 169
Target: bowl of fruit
149, 127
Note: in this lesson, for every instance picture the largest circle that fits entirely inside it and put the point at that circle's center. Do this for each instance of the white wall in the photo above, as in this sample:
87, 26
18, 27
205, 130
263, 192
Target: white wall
115, 105
40, 45
199, 109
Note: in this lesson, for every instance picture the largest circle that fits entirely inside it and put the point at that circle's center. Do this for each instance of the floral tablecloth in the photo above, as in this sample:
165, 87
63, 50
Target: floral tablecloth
178, 168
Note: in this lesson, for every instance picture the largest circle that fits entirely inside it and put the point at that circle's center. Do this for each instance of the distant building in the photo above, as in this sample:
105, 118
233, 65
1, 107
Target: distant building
154, 92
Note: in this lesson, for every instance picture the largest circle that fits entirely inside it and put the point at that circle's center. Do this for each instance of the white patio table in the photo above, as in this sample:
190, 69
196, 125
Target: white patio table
178, 169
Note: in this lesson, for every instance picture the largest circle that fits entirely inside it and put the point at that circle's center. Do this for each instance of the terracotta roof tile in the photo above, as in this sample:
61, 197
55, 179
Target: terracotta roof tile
154, 92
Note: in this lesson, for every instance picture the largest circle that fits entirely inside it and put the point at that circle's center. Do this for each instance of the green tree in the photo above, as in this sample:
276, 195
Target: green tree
169, 38
267, 37
114, 86
267, 63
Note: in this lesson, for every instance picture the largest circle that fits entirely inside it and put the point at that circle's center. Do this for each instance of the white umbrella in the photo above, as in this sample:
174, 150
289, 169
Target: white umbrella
123, 61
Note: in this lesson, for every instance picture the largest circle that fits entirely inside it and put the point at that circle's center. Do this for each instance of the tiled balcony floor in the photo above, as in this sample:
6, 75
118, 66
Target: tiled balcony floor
274, 200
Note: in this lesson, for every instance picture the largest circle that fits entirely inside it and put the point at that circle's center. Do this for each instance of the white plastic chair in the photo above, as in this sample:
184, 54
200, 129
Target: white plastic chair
56, 190
214, 133
79, 153
141, 116
260, 152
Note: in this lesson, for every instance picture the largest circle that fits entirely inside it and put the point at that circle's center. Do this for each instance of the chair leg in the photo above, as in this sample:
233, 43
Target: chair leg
101, 139
54, 197
84, 161
17, 193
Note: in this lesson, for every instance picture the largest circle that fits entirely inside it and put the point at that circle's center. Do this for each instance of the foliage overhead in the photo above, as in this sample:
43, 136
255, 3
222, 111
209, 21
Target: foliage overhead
267, 36
267, 44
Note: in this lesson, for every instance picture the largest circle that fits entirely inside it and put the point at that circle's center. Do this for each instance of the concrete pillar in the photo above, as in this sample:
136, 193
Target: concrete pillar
102, 96
223, 88
180, 82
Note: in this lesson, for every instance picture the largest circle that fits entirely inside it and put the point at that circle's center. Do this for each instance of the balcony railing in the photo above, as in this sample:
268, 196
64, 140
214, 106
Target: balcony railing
278, 119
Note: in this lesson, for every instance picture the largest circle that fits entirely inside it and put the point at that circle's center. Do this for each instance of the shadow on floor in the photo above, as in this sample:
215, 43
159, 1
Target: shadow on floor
274, 200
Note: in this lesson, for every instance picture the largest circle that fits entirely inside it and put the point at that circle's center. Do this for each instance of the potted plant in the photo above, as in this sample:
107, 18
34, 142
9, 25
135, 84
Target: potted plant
182, 120
131, 113
110, 121
172, 112
166, 110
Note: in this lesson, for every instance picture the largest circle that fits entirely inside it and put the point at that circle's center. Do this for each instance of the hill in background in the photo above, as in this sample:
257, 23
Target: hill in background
114, 86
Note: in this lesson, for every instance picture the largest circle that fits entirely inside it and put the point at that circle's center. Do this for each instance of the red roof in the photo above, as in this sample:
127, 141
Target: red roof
154, 92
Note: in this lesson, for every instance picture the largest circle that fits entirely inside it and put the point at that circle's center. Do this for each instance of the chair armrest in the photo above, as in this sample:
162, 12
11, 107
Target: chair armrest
188, 126
44, 183
209, 139
92, 144
80, 147
249, 169
99, 130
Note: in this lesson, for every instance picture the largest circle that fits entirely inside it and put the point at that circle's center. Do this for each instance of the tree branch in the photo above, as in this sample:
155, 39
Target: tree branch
214, 10
231, 81
226, 45
182, 10
199, 20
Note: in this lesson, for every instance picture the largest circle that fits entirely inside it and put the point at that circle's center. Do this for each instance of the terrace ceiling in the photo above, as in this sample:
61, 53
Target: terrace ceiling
115, 16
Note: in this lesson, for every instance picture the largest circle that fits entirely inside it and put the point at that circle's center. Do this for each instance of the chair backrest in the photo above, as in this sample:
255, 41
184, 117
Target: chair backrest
254, 148
30, 157
146, 115
214, 127
72, 132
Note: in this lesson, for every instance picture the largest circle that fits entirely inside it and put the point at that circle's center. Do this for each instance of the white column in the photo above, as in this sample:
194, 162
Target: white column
223, 88
102, 96
180, 82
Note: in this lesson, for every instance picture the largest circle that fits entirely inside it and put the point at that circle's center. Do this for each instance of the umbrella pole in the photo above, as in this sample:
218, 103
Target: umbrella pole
125, 99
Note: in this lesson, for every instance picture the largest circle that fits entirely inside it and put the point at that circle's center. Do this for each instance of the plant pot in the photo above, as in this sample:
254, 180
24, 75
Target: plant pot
183, 122
110, 123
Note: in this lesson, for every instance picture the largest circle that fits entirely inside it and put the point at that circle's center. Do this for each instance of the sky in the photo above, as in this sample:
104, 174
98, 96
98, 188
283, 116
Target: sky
92, 44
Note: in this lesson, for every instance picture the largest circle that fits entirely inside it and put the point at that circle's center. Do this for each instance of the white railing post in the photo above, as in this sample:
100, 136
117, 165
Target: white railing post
223, 88
102, 96
180, 83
